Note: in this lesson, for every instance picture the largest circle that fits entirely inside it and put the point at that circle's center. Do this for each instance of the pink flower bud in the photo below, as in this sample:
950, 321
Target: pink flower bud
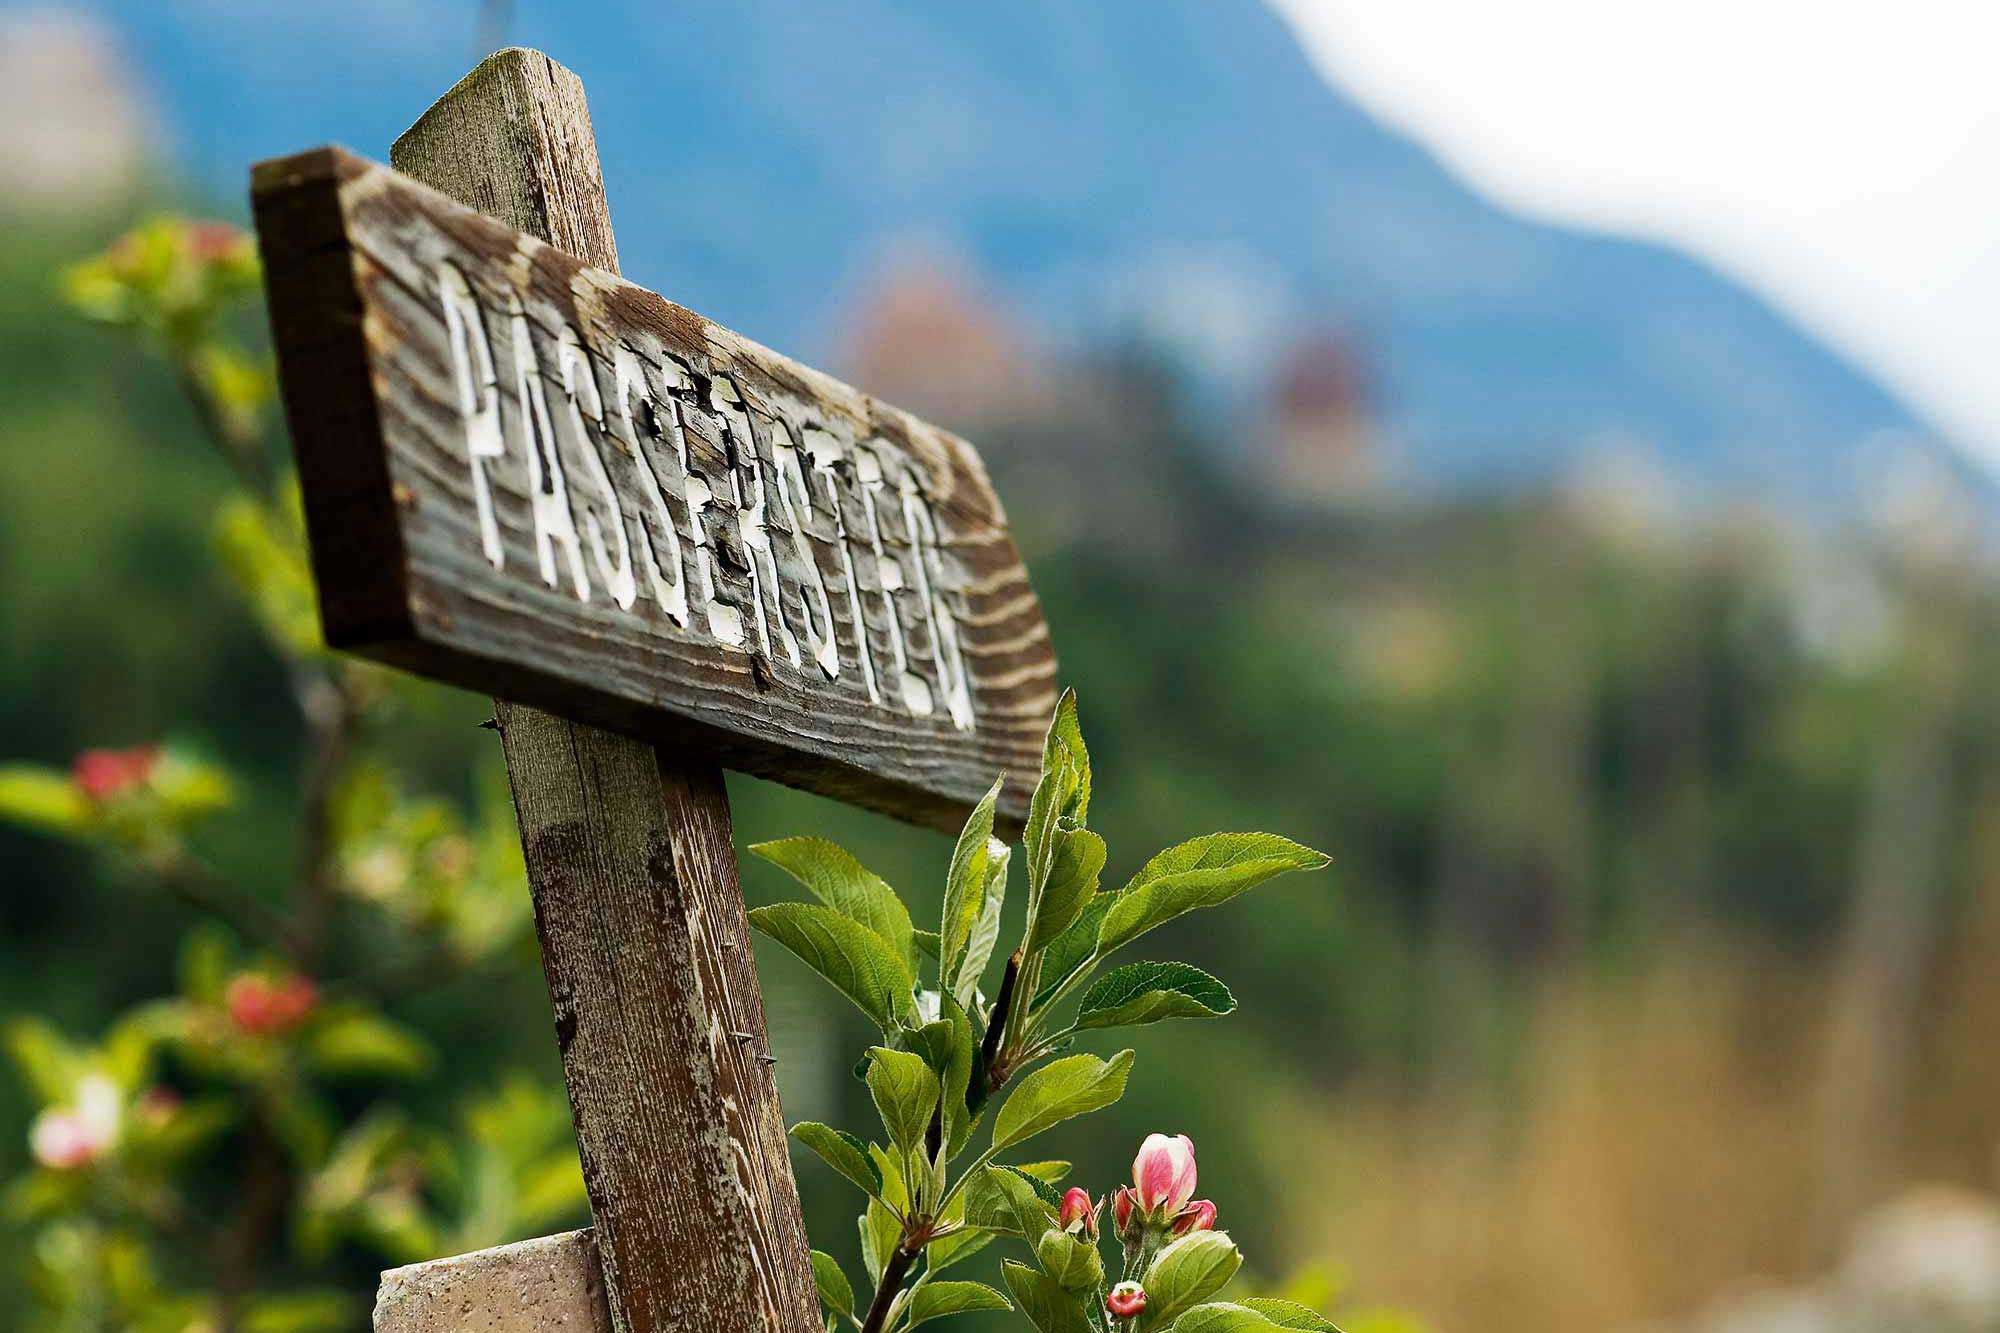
1078, 1209
105, 775
1163, 1174
1197, 1216
1127, 1215
262, 1006
1127, 1300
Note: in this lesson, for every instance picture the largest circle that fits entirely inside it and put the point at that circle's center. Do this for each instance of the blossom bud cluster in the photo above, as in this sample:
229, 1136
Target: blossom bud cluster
1161, 1197
1158, 1206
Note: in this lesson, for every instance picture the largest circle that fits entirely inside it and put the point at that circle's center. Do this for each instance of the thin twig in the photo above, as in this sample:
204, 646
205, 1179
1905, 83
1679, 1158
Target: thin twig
244, 456
996, 1031
195, 884
331, 722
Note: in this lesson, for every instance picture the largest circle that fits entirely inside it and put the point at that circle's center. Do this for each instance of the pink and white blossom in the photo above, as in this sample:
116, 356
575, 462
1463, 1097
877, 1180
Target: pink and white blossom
1163, 1174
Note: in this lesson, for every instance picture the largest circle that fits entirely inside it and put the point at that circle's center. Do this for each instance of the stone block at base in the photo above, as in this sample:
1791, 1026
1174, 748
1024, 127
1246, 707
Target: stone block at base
536, 1286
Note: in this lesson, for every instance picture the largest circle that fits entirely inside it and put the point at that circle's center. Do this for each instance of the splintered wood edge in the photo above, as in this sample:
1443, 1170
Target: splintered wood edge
552, 1282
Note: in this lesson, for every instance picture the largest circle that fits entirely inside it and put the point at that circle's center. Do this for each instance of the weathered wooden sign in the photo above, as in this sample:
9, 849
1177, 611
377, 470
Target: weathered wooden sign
526, 475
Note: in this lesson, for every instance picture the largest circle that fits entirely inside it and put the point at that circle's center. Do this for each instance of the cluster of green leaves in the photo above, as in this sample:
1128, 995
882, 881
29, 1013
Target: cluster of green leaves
216, 1158
176, 283
947, 1046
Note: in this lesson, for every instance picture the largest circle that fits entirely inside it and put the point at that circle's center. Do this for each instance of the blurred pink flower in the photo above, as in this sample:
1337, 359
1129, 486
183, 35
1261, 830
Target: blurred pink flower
65, 1138
268, 1006
207, 241
105, 775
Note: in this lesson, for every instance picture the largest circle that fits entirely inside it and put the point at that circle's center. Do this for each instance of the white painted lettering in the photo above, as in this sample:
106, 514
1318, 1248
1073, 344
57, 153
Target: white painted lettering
478, 399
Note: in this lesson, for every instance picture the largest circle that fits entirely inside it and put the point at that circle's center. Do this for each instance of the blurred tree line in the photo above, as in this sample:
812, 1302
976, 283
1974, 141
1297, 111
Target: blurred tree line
1614, 795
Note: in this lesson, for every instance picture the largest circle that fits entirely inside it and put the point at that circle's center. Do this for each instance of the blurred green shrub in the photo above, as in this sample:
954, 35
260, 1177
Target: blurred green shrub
212, 1156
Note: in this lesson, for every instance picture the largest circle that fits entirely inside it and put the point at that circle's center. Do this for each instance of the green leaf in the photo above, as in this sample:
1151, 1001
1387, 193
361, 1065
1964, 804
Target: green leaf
934, 1299
300, 1312
1222, 1317
860, 964
928, 943
965, 890
263, 550
1073, 874
1202, 872
1048, 1173
956, 1247
1073, 1261
129, 1044
189, 788
1048, 1307
1062, 797
843, 1152
193, 1126
881, 1231
48, 1062
354, 1042
43, 798
1063, 794
1140, 993
947, 1046
549, 1190
1072, 1086
986, 929
905, 1090
833, 876
1065, 740
1072, 950
835, 1293
1004, 1198
895, 1190
1290, 1314
203, 968
1188, 1272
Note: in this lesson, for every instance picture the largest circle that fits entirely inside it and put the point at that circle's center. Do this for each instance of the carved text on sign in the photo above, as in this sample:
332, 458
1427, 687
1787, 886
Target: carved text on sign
525, 475
657, 405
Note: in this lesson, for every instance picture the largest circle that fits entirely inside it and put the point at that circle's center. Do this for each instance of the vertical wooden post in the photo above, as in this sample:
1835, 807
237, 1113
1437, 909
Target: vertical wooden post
644, 939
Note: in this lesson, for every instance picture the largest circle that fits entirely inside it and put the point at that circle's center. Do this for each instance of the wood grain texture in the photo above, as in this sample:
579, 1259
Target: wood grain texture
856, 618
661, 1027
644, 940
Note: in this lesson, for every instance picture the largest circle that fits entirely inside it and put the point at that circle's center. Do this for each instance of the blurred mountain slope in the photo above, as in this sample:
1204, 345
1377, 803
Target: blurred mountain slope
1167, 169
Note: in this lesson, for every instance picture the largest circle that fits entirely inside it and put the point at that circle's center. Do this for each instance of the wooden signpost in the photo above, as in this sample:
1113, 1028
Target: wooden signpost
666, 550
